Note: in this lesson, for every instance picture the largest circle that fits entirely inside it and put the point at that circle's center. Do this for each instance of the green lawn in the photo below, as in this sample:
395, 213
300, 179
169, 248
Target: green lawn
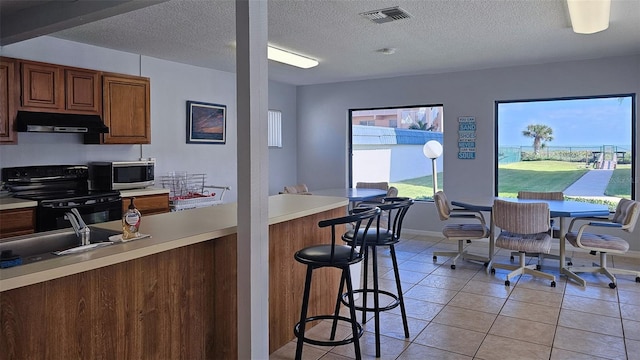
544, 175
537, 176
620, 183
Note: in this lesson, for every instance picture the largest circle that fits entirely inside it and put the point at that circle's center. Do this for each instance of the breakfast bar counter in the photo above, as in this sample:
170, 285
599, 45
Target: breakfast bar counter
172, 295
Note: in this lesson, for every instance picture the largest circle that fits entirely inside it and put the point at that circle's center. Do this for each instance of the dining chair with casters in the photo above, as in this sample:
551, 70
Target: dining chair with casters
340, 256
467, 231
524, 227
386, 233
554, 231
382, 185
587, 237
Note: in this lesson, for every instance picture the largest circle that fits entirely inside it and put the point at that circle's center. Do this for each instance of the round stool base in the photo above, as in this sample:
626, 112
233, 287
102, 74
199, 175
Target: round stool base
296, 331
393, 305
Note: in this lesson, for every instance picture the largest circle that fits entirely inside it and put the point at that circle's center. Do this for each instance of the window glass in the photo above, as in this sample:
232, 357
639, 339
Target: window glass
386, 146
580, 146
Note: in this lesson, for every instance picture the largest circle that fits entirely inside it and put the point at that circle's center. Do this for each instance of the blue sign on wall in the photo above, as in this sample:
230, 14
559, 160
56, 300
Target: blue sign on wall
466, 137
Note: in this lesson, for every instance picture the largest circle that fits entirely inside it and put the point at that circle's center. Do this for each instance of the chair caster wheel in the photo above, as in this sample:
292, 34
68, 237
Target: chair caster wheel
486, 264
538, 267
507, 283
569, 263
553, 284
435, 258
638, 279
453, 267
468, 241
612, 285
493, 271
512, 259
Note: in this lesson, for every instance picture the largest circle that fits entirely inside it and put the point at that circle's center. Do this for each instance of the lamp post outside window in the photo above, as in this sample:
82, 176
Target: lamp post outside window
433, 149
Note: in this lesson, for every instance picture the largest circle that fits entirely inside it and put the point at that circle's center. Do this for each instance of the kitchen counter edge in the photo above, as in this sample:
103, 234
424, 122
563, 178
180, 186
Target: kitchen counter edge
168, 231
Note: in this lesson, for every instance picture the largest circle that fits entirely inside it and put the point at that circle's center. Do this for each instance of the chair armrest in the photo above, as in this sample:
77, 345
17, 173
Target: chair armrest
589, 218
467, 214
605, 224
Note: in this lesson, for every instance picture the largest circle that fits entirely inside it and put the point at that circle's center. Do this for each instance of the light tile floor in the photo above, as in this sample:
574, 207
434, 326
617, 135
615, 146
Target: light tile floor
467, 314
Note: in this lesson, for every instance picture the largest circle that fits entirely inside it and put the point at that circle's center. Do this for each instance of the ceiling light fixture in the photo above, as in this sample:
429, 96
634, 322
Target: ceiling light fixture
290, 58
589, 16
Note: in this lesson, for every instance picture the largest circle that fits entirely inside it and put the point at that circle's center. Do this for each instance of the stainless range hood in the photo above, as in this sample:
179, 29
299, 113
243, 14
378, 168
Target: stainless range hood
29, 121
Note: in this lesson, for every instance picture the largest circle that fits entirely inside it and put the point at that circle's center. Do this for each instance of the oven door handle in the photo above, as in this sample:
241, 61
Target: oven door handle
80, 206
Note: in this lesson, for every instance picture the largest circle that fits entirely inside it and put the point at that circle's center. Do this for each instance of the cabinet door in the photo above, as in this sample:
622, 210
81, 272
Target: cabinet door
7, 101
83, 91
17, 222
126, 109
148, 204
42, 86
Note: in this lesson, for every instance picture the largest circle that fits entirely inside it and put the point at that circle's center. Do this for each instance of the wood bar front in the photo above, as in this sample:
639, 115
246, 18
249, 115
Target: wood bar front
175, 304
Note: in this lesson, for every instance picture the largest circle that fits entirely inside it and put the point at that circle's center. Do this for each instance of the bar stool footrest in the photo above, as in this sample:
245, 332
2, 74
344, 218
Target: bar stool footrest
393, 305
296, 331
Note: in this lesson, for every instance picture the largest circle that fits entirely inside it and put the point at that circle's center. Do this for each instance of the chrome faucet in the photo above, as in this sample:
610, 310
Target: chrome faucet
79, 226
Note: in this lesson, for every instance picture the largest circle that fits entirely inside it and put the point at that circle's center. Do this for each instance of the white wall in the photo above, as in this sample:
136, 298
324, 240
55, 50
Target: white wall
172, 84
323, 122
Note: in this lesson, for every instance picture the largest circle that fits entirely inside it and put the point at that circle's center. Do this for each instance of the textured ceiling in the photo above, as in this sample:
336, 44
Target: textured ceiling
441, 36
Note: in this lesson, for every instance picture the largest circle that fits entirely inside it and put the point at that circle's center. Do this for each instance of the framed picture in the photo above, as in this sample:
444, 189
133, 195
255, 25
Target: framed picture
206, 123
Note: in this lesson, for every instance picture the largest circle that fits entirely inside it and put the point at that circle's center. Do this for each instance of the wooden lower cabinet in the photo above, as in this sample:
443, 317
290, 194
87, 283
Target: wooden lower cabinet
178, 304
148, 204
17, 222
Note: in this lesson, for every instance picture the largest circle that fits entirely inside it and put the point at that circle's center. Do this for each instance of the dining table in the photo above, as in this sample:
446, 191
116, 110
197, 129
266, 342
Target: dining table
565, 210
353, 194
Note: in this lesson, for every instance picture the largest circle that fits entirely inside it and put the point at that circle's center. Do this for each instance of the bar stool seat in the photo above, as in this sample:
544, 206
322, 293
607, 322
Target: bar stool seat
385, 233
337, 256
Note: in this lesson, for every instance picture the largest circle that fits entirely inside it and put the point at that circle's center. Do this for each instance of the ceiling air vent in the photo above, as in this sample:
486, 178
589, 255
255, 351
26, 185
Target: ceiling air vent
386, 15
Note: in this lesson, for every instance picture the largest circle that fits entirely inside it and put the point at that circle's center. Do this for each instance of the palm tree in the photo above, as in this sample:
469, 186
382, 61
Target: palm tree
539, 133
421, 125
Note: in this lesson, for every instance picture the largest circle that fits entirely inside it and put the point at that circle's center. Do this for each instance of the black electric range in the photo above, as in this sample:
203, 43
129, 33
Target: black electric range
58, 189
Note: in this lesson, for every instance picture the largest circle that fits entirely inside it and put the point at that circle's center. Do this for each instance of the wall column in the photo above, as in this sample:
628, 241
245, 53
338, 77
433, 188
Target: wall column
253, 175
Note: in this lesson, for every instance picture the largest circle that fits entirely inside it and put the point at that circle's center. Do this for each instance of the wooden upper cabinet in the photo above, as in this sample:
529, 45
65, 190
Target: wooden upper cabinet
56, 88
7, 101
83, 91
126, 109
42, 86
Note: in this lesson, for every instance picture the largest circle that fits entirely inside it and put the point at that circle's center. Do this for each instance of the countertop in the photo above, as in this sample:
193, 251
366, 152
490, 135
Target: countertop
9, 203
168, 231
143, 192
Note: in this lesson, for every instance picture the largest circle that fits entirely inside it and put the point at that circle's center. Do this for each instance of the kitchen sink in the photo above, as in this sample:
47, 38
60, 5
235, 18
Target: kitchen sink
50, 244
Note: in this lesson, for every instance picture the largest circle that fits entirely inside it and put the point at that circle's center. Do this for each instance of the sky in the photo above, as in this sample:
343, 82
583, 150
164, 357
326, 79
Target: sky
576, 122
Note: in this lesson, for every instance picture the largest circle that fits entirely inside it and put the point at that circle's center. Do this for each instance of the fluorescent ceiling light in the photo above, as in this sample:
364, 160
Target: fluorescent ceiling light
290, 58
589, 16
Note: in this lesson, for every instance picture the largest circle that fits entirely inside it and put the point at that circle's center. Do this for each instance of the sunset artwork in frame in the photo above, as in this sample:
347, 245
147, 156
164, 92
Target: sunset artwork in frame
206, 123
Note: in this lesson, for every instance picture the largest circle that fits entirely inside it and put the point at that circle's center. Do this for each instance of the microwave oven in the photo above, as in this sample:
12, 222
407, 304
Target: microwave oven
121, 175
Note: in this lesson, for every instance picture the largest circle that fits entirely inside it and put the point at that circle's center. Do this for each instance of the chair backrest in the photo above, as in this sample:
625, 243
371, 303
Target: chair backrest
297, 189
626, 214
521, 218
383, 185
360, 218
442, 205
541, 195
395, 208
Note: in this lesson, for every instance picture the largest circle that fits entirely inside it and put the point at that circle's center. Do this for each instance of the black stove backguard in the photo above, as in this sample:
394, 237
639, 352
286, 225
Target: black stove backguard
58, 189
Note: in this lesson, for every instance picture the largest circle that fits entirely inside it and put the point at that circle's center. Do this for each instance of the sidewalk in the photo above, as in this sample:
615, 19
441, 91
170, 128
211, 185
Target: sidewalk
591, 184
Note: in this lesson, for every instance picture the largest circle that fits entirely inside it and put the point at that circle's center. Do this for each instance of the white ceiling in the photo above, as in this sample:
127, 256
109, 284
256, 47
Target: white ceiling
441, 36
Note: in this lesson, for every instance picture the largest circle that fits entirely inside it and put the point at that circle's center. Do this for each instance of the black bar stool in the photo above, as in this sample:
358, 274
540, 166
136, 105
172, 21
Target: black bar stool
393, 210
338, 256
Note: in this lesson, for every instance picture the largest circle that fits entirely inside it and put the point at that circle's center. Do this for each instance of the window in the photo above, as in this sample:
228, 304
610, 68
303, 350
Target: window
390, 149
580, 146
